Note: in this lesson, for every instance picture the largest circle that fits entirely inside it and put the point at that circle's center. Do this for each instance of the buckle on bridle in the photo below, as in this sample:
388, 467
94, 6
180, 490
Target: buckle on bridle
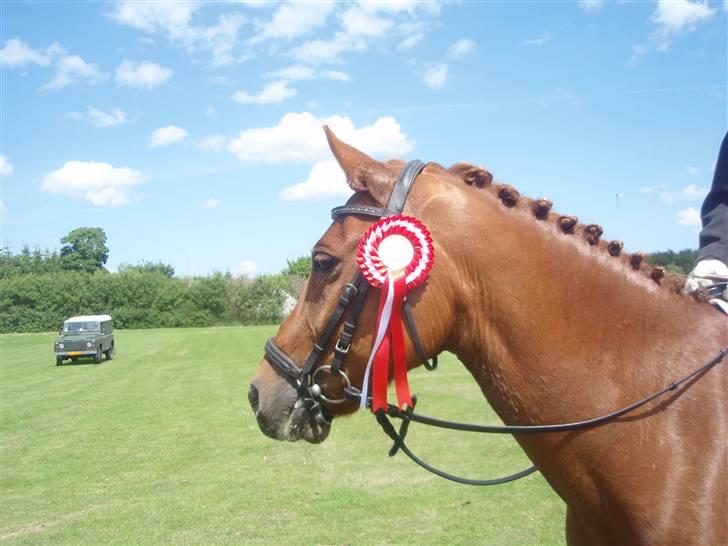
350, 291
342, 349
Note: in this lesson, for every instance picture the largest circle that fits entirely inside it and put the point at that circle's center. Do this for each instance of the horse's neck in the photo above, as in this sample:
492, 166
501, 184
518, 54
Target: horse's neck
547, 318
554, 331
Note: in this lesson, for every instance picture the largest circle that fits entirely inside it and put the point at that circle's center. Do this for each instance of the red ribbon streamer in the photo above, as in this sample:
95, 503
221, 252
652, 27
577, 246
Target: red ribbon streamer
393, 345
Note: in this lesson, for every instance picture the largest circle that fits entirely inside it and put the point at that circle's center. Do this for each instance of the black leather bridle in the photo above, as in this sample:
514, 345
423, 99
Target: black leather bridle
304, 378
353, 297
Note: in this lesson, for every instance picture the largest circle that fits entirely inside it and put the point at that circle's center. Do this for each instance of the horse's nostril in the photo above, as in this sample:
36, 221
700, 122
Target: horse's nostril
253, 398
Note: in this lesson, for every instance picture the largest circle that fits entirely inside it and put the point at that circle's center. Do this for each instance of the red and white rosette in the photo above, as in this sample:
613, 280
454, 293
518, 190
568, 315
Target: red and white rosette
395, 255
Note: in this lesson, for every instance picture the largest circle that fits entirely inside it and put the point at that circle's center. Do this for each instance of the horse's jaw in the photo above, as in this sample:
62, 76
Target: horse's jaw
282, 415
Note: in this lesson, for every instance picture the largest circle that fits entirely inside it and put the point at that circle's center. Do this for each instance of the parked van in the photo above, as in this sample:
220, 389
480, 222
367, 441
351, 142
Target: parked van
87, 335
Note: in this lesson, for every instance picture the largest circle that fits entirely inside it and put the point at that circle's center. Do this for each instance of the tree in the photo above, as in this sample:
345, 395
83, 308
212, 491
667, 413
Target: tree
675, 262
149, 267
300, 267
84, 249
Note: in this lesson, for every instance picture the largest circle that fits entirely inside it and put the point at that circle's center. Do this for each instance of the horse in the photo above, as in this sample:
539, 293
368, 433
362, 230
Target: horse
554, 324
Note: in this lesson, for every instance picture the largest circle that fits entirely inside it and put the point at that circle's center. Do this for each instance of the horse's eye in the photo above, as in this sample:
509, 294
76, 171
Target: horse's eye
323, 262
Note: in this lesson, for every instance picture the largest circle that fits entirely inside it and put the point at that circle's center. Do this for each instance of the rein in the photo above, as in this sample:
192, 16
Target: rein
303, 378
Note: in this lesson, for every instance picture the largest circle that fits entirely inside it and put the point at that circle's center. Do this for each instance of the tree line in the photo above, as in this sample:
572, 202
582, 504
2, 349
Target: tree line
40, 289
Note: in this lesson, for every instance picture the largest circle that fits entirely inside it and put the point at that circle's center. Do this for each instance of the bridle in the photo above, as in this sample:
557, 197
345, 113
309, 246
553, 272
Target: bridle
352, 298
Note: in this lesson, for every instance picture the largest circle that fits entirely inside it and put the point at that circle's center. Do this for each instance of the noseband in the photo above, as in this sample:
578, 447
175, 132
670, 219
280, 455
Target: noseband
305, 377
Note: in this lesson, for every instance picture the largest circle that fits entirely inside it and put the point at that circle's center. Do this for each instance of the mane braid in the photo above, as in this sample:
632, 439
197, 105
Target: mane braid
540, 209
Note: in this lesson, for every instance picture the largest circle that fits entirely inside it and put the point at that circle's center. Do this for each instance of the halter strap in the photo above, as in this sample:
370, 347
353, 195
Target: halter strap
354, 295
374, 212
405, 181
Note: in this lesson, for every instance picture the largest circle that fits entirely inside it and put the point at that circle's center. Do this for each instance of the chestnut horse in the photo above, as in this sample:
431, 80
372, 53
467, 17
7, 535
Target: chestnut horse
555, 325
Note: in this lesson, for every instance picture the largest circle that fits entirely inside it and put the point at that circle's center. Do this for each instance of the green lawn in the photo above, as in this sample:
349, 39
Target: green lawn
160, 446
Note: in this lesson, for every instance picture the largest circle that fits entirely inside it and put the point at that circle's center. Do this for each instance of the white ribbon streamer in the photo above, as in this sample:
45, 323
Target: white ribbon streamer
381, 331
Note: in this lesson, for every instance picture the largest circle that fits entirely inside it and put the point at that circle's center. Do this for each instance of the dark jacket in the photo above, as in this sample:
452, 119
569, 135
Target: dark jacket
714, 214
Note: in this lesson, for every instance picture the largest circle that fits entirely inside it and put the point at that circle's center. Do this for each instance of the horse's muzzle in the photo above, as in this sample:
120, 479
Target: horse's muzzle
282, 415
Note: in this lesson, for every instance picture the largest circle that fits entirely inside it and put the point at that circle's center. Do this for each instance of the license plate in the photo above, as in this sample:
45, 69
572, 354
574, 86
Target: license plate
74, 353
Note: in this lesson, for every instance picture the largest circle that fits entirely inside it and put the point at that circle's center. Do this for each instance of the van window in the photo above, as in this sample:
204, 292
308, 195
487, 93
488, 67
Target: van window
81, 327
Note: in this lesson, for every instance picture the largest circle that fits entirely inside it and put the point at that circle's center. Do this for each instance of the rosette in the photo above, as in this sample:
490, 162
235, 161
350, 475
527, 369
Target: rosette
395, 255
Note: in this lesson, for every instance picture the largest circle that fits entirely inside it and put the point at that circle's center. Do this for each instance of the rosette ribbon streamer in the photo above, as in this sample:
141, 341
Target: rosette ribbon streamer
395, 255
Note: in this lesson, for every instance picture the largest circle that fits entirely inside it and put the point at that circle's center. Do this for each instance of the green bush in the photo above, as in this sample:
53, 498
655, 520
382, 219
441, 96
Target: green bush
139, 299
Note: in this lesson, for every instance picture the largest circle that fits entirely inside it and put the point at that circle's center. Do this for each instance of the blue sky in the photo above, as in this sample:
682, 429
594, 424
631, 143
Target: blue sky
190, 131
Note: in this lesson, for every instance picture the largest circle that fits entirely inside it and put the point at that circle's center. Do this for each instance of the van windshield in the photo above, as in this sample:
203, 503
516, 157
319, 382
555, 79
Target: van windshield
81, 327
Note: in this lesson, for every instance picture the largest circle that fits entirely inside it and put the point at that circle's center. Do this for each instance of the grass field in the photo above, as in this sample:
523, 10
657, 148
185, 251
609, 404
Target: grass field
159, 446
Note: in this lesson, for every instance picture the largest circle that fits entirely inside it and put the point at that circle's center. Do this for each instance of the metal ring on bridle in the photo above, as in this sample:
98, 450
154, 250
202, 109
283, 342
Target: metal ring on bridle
321, 394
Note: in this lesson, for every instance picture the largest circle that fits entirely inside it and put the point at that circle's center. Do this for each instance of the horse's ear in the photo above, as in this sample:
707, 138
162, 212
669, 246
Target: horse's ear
362, 172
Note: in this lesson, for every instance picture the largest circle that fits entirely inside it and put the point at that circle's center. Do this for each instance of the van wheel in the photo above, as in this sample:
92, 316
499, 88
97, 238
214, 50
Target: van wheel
110, 353
59, 360
97, 356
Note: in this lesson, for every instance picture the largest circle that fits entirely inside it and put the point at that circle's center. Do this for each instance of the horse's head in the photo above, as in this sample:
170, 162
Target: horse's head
283, 409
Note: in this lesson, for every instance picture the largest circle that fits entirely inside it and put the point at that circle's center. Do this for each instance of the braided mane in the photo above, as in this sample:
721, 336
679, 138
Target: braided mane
568, 225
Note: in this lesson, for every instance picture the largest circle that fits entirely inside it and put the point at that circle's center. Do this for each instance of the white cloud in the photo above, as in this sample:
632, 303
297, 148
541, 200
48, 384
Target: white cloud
317, 52
211, 203
144, 74
402, 6
164, 136
694, 192
98, 183
694, 171
18, 53
690, 192
591, 5
546, 37
246, 268
212, 143
674, 17
462, 48
99, 118
174, 20
294, 19
688, 217
6, 168
256, 3
360, 21
295, 72
274, 92
651, 189
222, 40
411, 41
300, 72
73, 69
336, 75
435, 76
679, 15
300, 137
326, 179
368, 22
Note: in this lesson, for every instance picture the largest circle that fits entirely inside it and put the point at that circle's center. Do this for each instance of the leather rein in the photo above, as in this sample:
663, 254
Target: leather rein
352, 298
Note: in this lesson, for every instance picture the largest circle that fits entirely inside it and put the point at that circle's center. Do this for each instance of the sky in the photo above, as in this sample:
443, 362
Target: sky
191, 131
